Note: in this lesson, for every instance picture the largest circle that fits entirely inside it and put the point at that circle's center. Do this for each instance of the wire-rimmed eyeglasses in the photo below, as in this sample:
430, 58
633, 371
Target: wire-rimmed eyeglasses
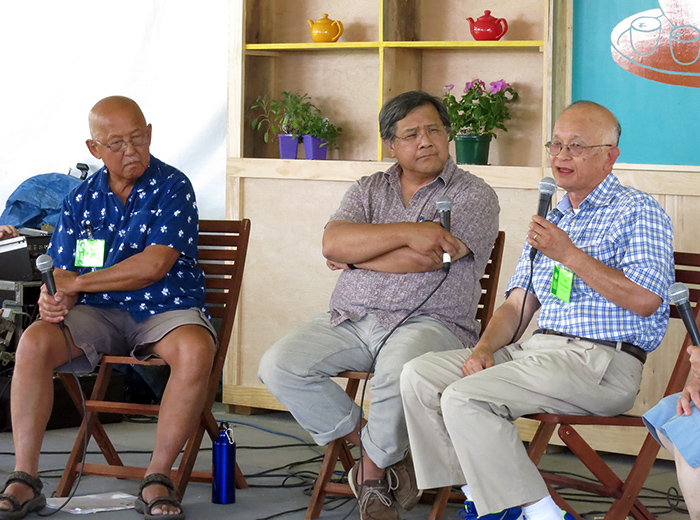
575, 149
121, 144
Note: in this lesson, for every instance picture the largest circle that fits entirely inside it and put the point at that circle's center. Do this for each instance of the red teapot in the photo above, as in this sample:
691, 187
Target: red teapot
487, 27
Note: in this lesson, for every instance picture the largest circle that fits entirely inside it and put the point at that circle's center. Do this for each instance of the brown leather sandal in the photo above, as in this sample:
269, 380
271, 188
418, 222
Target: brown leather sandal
38, 501
171, 498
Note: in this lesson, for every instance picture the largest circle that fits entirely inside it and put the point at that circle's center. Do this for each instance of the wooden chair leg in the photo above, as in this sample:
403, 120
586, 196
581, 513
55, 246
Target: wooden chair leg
628, 502
442, 496
94, 428
345, 456
563, 504
324, 477
590, 458
539, 442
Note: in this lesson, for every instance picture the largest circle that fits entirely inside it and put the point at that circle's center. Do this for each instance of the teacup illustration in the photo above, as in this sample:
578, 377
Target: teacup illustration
645, 32
685, 44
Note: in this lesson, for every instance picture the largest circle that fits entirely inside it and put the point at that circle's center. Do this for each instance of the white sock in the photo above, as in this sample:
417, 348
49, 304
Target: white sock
544, 509
465, 490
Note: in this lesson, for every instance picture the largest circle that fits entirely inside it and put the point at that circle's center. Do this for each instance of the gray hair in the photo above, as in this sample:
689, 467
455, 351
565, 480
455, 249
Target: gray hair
399, 107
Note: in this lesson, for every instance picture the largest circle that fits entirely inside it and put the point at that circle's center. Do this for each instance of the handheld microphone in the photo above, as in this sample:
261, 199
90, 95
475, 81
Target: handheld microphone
444, 207
547, 187
678, 295
45, 266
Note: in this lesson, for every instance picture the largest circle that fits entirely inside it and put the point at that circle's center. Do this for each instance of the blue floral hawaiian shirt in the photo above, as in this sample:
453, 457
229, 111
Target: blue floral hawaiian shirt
160, 210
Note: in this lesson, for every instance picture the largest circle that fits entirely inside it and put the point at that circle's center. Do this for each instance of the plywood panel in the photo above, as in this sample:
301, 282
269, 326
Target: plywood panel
287, 281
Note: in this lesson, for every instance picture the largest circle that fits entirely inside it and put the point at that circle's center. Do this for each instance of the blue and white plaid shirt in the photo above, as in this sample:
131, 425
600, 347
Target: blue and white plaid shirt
625, 229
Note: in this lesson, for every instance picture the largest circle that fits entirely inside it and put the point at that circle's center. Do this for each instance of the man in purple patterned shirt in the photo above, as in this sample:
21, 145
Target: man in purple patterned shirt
387, 240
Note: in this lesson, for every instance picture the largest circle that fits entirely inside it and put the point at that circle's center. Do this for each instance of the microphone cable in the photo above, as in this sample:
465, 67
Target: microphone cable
371, 370
522, 307
547, 187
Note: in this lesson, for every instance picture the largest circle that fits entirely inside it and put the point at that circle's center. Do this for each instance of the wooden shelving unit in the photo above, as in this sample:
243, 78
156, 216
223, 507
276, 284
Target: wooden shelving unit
390, 46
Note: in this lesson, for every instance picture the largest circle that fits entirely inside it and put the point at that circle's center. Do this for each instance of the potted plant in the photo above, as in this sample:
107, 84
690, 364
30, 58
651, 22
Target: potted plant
319, 135
476, 116
283, 118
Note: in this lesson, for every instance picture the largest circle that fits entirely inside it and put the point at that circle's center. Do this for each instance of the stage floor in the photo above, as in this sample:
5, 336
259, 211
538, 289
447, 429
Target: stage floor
255, 437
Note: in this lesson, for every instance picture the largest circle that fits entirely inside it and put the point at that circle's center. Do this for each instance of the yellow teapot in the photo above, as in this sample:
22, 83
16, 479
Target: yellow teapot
325, 29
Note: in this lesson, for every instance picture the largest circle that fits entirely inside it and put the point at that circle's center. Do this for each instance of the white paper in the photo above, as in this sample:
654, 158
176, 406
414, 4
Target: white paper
86, 504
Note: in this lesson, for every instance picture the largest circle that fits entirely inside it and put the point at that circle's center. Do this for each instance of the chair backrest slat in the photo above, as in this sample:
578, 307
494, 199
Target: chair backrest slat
222, 245
489, 282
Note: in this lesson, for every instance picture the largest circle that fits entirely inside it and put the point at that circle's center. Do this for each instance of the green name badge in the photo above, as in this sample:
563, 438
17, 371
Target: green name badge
90, 253
562, 280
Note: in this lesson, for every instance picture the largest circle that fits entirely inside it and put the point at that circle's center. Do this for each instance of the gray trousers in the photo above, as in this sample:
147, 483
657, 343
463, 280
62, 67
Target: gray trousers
297, 370
461, 428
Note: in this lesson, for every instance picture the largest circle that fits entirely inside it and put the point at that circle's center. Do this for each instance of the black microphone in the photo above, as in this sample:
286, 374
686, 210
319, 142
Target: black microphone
678, 295
444, 207
45, 266
547, 187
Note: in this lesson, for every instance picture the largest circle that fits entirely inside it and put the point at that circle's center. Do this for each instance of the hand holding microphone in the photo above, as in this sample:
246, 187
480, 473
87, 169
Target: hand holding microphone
44, 264
547, 188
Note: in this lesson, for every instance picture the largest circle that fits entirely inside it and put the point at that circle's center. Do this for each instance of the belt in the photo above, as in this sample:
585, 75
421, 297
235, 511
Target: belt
628, 348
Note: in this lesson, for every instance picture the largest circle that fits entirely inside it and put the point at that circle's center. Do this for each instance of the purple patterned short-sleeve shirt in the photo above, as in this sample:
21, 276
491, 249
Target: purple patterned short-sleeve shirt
160, 210
377, 199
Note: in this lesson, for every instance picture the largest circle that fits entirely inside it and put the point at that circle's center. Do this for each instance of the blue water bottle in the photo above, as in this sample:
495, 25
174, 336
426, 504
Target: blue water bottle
223, 476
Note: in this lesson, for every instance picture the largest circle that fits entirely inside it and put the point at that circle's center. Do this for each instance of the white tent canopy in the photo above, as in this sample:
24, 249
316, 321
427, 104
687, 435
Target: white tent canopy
59, 58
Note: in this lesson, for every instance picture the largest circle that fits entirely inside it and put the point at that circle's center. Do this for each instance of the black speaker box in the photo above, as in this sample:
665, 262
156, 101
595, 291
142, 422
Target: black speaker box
64, 413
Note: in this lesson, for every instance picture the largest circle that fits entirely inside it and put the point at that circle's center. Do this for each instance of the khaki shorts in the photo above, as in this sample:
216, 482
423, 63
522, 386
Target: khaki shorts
112, 332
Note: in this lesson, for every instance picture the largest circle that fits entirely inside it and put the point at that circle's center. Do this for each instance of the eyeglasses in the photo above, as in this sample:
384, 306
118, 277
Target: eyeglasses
415, 137
118, 146
575, 149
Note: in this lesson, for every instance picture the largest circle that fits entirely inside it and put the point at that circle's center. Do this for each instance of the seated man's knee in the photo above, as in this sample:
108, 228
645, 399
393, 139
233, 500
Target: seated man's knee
191, 350
417, 369
458, 400
40, 345
271, 365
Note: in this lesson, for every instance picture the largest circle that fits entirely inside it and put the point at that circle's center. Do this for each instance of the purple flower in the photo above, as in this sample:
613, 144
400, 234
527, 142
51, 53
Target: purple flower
449, 87
497, 86
476, 84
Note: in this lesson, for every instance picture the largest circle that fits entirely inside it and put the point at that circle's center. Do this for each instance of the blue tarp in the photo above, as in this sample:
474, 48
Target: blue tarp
38, 200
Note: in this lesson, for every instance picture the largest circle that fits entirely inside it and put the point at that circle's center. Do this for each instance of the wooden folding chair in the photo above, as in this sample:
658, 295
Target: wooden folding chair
339, 449
625, 493
222, 250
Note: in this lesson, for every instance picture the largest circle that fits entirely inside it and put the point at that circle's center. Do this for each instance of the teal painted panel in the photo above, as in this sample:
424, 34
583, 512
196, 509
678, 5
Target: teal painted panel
660, 121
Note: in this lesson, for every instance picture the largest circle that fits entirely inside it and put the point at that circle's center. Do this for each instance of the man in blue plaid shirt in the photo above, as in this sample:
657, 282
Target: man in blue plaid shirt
600, 277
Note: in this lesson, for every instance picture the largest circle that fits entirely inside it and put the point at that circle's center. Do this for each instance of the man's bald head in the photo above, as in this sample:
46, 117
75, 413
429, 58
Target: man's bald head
109, 106
600, 116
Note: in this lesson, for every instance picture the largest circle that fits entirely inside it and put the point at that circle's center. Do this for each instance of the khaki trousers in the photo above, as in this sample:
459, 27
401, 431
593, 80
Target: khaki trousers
461, 428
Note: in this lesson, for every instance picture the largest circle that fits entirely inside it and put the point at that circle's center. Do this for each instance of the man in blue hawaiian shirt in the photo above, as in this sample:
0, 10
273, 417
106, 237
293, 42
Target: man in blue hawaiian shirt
125, 253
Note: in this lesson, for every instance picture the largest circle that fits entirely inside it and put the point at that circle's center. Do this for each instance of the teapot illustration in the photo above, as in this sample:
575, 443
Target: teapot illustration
325, 29
487, 27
